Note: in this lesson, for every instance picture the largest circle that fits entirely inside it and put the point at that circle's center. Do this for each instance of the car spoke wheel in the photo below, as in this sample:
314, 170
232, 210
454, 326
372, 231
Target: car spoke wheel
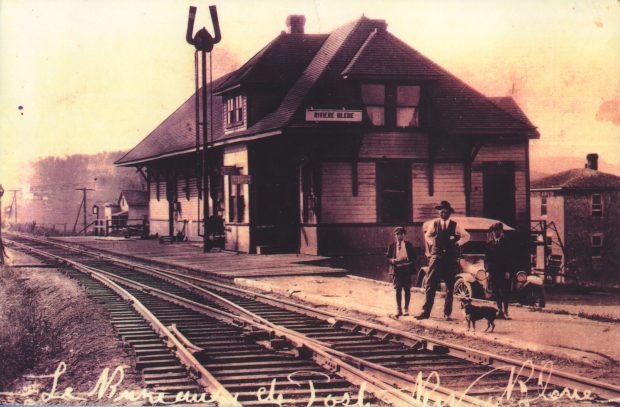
462, 289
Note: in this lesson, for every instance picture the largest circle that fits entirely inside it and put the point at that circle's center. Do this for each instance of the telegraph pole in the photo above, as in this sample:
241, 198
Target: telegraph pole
82, 206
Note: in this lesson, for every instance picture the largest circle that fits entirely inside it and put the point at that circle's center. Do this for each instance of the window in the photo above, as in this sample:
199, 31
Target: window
543, 205
373, 97
236, 203
393, 193
597, 205
234, 111
597, 245
393, 106
407, 106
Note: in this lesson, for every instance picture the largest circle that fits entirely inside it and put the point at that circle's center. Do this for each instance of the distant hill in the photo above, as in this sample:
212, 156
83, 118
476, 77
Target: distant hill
50, 196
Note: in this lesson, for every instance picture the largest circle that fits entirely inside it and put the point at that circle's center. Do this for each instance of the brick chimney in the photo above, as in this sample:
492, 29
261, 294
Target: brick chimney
295, 24
592, 161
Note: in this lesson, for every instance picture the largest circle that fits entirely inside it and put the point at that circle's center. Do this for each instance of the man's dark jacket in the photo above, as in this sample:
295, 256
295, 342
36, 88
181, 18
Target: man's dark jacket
500, 257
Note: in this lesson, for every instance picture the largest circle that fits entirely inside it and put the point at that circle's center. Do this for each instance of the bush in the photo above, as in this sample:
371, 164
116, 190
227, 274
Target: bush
27, 332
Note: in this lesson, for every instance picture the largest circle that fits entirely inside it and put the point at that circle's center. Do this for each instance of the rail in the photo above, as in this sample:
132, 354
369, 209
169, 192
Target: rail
559, 378
303, 346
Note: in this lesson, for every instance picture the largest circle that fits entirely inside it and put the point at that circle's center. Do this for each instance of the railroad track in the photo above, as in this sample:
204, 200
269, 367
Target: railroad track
410, 362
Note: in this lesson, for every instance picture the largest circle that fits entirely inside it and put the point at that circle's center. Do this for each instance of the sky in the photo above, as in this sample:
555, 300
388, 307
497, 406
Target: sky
83, 76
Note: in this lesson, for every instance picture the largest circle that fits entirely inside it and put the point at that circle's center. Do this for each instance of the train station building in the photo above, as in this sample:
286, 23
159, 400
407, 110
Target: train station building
322, 143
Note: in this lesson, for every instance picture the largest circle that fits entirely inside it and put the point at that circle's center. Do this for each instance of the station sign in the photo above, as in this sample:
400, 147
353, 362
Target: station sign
229, 170
240, 179
333, 115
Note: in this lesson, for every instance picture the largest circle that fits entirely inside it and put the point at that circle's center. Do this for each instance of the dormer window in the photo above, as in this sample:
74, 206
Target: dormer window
407, 106
392, 105
234, 111
373, 96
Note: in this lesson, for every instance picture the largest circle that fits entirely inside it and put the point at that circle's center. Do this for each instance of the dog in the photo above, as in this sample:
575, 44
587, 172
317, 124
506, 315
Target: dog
474, 313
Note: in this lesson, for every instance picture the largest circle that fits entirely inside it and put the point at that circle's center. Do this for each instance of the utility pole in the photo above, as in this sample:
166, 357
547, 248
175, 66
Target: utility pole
14, 204
82, 207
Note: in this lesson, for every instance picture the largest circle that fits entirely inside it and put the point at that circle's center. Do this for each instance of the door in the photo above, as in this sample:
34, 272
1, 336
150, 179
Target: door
498, 183
276, 206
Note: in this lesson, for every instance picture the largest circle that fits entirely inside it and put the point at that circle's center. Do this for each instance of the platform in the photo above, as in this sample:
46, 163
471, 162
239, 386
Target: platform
219, 263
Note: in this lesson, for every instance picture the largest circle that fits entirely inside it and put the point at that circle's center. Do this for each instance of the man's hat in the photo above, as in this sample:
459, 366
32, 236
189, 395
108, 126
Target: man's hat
444, 205
399, 229
496, 226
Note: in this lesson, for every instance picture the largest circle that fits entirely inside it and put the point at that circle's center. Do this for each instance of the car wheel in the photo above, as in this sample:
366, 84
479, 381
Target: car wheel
537, 296
462, 289
534, 296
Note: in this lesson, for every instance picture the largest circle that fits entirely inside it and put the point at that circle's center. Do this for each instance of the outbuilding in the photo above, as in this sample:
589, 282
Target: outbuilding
322, 143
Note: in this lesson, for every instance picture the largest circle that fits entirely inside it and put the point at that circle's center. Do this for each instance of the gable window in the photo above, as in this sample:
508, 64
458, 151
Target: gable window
597, 205
543, 205
392, 105
234, 111
394, 192
373, 96
407, 106
596, 242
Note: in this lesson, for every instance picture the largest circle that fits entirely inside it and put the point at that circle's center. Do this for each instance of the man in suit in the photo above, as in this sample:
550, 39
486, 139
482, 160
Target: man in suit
499, 260
445, 236
400, 255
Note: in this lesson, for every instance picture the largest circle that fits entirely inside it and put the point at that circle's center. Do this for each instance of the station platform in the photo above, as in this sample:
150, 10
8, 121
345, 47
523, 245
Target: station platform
223, 264
559, 331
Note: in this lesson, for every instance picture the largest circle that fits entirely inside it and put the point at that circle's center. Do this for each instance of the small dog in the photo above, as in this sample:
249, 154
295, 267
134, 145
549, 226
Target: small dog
474, 313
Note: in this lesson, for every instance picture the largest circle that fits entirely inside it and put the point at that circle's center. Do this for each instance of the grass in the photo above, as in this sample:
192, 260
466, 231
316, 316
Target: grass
27, 331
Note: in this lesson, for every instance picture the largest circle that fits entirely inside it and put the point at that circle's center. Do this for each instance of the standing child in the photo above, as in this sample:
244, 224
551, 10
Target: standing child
400, 257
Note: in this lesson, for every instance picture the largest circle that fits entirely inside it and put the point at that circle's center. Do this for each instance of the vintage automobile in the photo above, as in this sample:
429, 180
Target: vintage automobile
473, 280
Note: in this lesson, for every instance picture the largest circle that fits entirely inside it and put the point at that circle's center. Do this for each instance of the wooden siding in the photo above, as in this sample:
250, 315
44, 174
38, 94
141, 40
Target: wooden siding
503, 152
158, 210
448, 186
238, 238
394, 145
338, 205
189, 209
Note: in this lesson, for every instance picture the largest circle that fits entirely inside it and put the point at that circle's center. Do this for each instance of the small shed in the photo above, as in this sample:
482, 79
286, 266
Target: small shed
134, 204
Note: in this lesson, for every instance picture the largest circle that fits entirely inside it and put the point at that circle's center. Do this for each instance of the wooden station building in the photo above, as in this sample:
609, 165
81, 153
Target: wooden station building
322, 143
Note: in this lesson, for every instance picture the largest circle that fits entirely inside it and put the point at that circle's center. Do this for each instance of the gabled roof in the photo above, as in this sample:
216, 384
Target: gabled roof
134, 198
303, 64
508, 104
382, 57
278, 64
176, 134
579, 178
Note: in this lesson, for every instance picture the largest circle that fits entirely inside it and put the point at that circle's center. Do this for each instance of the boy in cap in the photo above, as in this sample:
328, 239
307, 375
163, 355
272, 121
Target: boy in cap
400, 257
445, 236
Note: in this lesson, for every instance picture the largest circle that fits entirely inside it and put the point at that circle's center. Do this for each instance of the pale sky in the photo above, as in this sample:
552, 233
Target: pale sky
99, 75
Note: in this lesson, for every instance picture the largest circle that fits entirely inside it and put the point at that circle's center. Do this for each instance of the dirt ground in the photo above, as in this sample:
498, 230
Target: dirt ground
77, 333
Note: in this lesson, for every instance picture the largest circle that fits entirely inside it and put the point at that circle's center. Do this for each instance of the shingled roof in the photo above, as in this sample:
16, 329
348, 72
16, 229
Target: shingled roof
579, 178
306, 63
269, 67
